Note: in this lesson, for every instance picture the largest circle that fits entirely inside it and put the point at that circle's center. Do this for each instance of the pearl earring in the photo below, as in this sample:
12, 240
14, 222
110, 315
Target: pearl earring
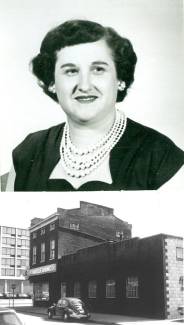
52, 88
121, 85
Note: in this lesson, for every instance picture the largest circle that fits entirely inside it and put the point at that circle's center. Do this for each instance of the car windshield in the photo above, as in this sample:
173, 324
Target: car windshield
76, 302
9, 319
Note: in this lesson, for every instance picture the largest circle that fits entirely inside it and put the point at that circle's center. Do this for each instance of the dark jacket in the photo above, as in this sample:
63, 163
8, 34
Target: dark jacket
143, 159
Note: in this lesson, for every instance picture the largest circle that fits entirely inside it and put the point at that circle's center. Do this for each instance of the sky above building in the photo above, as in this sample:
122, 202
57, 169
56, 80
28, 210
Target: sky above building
149, 212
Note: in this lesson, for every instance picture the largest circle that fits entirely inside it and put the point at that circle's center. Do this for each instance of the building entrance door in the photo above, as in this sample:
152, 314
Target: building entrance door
63, 289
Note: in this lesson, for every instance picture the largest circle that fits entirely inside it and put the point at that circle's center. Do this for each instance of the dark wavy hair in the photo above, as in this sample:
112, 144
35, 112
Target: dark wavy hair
74, 32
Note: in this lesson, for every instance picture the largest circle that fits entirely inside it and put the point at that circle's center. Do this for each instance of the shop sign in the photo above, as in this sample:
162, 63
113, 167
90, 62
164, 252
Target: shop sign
43, 269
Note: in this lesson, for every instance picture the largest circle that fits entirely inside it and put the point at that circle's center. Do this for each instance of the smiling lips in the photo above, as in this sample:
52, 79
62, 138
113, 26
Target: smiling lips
86, 99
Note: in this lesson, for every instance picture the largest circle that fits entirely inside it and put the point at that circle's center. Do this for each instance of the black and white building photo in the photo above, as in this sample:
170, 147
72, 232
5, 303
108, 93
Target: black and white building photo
89, 253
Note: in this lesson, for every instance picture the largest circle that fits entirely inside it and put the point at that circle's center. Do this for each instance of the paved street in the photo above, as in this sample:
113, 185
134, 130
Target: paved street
38, 316
38, 320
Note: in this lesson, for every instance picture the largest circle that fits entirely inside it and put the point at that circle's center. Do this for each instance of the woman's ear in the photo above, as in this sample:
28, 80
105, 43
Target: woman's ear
121, 85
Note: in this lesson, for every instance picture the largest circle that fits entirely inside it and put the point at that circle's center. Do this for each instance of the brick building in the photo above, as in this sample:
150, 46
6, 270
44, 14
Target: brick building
65, 232
89, 253
14, 260
138, 277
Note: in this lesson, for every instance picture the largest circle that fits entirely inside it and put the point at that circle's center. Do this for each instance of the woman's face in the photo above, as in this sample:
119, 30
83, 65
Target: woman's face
86, 82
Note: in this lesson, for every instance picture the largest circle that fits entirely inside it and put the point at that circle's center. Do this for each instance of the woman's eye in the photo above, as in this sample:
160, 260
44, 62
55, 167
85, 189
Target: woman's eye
71, 72
99, 70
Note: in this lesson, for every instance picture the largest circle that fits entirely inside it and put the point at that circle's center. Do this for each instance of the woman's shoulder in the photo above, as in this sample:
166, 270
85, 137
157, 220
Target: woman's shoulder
148, 136
37, 143
153, 153
38, 137
41, 134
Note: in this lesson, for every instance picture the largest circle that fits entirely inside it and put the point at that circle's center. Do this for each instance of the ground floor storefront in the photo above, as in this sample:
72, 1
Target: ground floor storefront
45, 283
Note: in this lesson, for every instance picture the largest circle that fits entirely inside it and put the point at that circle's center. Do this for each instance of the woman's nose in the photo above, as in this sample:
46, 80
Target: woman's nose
84, 82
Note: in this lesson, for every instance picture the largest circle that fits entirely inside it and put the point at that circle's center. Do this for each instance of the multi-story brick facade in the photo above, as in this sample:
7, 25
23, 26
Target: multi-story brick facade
65, 232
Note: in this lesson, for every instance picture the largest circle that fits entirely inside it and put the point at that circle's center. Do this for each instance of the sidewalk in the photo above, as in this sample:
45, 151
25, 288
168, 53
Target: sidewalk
107, 319
31, 310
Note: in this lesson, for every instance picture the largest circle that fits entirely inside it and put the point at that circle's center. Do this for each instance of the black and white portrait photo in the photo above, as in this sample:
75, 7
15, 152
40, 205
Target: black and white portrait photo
94, 101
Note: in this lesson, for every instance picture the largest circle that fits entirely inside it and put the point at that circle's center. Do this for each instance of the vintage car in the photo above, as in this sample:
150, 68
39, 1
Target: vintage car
9, 316
69, 308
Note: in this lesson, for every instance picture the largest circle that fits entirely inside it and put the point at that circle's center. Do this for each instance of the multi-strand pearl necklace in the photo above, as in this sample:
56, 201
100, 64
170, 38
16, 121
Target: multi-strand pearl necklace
78, 163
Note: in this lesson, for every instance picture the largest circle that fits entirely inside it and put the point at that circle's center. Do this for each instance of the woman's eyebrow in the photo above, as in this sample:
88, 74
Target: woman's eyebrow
100, 62
67, 65
72, 65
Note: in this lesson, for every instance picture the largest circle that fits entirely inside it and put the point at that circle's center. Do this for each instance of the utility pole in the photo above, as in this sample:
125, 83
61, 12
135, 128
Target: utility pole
13, 288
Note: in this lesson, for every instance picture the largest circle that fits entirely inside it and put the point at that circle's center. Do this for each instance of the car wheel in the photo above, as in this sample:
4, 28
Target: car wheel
65, 317
49, 315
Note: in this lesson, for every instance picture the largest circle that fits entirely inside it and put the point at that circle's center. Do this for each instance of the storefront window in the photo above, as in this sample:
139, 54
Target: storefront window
41, 291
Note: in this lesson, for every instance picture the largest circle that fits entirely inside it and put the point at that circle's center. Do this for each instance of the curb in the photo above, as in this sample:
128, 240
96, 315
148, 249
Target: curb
31, 311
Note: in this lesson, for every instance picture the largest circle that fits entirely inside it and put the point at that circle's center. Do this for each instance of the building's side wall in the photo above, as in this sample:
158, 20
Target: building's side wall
174, 273
142, 259
95, 220
70, 242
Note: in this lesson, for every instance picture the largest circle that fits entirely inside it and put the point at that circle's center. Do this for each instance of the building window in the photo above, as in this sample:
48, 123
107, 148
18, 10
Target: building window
23, 252
19, 242
52, 249
119, 234
42, 231
77, 289
22, 262
34, 235
41, 291
9, 231
8, 251
18, 252
52, 226
74, 226
20, 272
23, 242
42, 252
92, 289
8, 241
8, 261
132, 287
110, 289
181, 283
23, 232
8, 272
34, 254
179, 253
